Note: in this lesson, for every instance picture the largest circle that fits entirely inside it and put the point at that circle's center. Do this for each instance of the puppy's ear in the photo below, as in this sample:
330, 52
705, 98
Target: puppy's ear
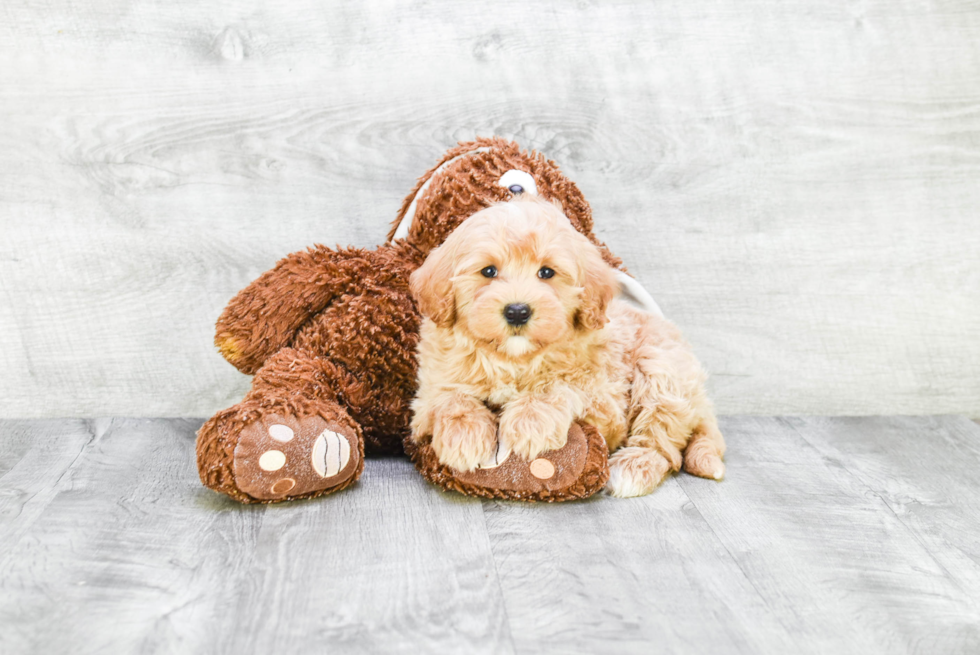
432, 287
600, 286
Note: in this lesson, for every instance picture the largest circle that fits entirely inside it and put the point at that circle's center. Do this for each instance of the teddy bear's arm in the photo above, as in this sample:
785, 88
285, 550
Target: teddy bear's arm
265, 316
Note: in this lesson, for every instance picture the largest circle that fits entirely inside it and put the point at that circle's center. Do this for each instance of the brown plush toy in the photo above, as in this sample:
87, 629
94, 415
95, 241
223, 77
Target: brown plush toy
330, 336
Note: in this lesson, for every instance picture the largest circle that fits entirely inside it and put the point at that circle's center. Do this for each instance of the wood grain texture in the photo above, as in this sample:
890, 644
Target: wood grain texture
794, 181
132, 555
828, 536
627, 577
939, 507
795, 551
827, 553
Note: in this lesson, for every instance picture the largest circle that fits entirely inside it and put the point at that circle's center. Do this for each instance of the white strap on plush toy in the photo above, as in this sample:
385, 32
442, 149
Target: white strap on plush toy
406, 222
633, 292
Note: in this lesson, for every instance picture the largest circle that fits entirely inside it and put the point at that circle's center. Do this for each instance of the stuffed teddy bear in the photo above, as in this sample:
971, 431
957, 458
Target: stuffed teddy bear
330, 337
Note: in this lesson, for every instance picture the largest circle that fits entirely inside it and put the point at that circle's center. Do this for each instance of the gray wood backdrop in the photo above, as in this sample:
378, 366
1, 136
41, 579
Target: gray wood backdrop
796, 181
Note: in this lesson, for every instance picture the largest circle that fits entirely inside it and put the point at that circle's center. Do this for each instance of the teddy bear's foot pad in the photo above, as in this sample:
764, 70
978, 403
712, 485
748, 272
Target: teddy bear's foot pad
577, 470
279, 457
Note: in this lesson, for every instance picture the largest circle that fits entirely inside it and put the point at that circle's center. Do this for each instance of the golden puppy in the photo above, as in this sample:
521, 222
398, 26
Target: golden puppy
522, 329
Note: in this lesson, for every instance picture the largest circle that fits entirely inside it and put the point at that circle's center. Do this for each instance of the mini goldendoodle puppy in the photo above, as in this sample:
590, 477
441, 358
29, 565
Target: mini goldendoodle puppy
522, 329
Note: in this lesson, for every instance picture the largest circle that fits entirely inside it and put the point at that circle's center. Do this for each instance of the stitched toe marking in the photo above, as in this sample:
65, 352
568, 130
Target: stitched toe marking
330, 455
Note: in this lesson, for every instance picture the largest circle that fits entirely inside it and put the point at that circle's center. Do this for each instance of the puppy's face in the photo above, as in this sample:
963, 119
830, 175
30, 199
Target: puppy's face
516, 277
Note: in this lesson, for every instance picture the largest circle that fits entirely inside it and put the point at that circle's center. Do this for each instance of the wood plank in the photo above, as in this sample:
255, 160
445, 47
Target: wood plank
19, 438
37, 462
135, 556
793, 198
828, 535
925, 471
644, 575
839, 569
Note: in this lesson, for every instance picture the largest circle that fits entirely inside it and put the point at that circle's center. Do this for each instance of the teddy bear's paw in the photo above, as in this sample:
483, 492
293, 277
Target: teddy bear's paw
281, 457
575, 470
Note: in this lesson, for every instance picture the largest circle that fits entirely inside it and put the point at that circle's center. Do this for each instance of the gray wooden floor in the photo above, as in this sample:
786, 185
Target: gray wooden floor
829, 535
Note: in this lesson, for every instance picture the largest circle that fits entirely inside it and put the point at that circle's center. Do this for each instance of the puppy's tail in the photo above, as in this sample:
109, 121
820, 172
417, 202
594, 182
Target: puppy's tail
704, 451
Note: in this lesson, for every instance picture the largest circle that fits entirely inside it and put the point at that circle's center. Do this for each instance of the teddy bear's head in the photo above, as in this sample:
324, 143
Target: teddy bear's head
477, 174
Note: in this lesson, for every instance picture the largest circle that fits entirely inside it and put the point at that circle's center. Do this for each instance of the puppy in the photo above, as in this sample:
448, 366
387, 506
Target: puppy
522, 335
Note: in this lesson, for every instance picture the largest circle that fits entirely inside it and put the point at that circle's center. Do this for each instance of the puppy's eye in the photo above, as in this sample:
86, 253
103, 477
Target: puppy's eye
489, 271
515, 189
546, 273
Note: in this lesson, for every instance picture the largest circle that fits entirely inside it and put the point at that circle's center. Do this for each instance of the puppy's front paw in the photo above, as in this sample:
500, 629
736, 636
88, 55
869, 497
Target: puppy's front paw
463, 442
636, 471
532, 429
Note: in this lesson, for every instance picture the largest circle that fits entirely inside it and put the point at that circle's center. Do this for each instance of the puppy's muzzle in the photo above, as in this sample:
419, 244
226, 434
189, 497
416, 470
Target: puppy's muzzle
517, 314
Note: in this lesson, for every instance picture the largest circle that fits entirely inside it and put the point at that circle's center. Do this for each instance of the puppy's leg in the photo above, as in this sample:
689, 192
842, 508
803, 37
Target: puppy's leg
665, 401
704, 451
464, 433
636, 471
534, 423
657, 433
661, 423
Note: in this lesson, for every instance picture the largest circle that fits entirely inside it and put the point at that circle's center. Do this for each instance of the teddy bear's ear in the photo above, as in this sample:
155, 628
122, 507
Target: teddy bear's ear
432, 287
600, 286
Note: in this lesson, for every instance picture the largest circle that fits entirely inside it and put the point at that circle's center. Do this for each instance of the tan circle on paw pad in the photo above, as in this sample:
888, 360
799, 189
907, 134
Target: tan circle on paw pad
272, 460
542, 468
282, 433
283, 486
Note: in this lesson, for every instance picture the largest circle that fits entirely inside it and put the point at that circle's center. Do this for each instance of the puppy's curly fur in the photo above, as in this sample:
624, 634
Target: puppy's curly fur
569, 350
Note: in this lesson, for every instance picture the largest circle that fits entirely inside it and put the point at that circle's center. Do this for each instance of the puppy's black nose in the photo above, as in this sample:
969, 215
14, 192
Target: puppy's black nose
517, 313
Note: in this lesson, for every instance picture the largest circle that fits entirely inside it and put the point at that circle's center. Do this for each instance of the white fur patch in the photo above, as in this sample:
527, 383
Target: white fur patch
517, 346
615, 480
623, 483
